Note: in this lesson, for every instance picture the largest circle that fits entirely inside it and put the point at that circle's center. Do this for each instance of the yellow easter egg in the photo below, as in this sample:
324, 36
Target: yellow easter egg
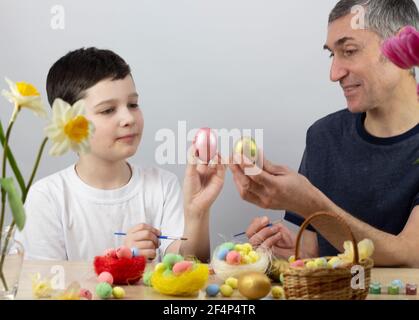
291, 259
254, 285
247, 147
320, 262
238, 247
334, 262
278, 292
247, 260
118, 292
310, 264
160, 267
232, 282
254, 256
226, 290
248, 247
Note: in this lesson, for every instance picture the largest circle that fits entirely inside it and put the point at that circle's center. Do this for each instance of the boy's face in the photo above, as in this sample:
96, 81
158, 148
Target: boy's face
112, 106
366, 77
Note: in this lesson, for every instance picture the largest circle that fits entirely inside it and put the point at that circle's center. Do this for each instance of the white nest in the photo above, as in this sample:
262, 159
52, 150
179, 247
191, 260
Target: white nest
223, 270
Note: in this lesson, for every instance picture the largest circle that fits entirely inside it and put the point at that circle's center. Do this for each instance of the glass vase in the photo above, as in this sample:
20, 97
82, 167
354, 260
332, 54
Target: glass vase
11, 260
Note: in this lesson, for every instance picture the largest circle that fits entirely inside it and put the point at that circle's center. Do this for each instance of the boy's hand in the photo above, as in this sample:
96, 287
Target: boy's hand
278, 238
144, 237
202, 183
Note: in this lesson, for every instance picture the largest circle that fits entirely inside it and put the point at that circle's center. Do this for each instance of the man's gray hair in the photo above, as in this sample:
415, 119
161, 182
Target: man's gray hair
384, 17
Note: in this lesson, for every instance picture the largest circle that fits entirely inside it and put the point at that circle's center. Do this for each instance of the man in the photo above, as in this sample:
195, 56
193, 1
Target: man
358, 162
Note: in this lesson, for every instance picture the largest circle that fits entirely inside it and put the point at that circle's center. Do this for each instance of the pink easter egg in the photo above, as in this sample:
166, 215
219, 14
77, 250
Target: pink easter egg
84, 293
233, 257
298, 264
105, 277
124, 252
111, 253
205, 142
182, 266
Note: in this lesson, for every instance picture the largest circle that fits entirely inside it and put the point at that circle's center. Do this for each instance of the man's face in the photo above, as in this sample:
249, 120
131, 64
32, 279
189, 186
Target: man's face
367, 78
112, 106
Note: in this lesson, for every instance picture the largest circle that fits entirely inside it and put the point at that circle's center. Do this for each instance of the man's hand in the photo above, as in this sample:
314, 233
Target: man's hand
276, 187
278, 238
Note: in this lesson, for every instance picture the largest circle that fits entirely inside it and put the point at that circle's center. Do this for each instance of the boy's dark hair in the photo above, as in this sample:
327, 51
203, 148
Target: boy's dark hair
78, 70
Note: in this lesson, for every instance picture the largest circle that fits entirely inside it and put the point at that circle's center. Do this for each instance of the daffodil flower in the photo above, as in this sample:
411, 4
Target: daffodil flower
69, 128
24, 95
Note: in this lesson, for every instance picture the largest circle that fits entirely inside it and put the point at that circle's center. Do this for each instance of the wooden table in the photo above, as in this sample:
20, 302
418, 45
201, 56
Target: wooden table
83, 273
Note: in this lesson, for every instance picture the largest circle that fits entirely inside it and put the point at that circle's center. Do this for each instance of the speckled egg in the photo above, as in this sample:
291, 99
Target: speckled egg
104, 290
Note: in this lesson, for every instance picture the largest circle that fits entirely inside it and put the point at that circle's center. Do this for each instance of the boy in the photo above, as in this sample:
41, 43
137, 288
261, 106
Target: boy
72, 214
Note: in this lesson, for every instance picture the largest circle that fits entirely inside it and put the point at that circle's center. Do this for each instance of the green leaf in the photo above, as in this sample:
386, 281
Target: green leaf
416, 162
15, 202
12, 162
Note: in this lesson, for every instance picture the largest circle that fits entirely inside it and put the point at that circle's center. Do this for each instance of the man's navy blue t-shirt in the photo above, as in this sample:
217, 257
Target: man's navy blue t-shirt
374, 179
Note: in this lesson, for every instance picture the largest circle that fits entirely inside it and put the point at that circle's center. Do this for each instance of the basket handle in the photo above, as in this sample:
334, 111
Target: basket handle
332, 215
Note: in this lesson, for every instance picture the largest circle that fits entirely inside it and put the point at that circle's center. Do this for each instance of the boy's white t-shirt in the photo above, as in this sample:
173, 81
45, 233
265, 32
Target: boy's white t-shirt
66, 219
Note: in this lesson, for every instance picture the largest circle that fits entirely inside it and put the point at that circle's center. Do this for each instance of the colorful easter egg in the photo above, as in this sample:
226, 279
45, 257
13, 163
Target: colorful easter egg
205, 142
105, 277
233, 257
104, 290
123, 252
226, 290
212, 290
181, 267
118, 293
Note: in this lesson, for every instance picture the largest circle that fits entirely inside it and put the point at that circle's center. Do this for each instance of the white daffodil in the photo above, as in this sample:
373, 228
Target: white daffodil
24, 95
69, 128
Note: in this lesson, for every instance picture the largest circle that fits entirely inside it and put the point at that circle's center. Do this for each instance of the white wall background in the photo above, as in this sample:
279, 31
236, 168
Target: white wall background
254, 64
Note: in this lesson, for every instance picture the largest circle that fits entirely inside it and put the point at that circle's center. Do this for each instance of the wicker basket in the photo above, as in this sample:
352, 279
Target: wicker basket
325, 283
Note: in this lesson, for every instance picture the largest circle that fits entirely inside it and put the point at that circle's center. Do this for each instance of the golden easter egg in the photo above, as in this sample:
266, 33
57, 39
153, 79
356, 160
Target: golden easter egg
254, 285
247, 147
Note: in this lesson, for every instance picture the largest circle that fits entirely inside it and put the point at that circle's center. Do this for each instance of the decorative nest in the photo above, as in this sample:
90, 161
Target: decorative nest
186, 283
123, 270
224, 270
